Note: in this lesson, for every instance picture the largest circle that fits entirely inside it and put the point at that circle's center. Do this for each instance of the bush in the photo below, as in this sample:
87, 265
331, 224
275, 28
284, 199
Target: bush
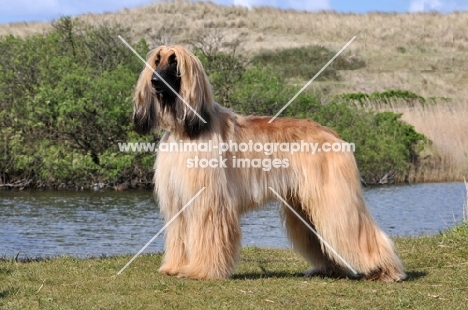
66, 102
224, 71
385, 146
305, 62
258, 93
389, 96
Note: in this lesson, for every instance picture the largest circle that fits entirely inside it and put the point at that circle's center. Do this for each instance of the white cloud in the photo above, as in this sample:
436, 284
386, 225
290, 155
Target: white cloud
306, 5
246, 3
310, 5
443, 6
424, 5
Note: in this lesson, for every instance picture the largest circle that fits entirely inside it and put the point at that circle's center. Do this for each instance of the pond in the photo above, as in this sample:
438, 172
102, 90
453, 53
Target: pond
87, 223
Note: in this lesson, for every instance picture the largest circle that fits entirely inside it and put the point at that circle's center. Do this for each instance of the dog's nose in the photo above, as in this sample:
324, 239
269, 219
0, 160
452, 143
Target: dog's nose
155, 80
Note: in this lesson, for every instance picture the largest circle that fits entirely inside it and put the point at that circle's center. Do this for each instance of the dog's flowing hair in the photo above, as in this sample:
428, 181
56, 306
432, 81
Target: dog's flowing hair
203, 242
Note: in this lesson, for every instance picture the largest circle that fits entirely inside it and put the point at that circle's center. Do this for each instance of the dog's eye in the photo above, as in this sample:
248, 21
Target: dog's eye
157, 62
172, 59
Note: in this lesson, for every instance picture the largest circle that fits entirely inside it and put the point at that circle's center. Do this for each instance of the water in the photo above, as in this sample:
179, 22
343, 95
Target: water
82, 224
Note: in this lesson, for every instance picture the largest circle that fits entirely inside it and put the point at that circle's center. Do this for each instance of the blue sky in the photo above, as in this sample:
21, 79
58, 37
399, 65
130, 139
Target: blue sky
46, 10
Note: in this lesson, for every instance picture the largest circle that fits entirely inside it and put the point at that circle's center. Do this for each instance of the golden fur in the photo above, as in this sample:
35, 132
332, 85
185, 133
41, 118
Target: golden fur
204, 241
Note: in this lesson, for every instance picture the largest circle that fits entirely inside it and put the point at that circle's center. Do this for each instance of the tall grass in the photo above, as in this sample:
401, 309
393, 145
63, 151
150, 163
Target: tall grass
445, 158
446, 125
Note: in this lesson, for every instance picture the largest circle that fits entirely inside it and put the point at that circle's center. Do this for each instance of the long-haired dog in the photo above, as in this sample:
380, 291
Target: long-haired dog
203, 242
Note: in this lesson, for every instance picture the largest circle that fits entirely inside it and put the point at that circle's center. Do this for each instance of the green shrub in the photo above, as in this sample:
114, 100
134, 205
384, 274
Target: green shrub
389, 96
65, 102
258, 93
305, 62
397, 94
224, 70
385, 146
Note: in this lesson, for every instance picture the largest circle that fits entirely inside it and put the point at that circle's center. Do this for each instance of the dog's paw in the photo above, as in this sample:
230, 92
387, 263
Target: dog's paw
169, 270
187, 273
391, 275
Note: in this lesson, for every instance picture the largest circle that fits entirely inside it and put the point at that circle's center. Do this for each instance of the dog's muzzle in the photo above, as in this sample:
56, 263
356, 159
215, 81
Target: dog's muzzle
157, 83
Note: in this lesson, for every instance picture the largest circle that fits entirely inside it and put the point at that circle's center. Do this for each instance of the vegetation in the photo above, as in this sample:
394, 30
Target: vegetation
385, 97
264, 278
304, 62
400, 55
386, 148
66, 104
414, 52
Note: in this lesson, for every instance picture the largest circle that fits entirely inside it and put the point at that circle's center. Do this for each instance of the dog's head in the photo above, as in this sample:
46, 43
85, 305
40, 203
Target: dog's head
170, 92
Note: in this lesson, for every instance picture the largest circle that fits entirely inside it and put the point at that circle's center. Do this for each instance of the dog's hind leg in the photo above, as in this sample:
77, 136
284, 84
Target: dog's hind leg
337, 208
306, 243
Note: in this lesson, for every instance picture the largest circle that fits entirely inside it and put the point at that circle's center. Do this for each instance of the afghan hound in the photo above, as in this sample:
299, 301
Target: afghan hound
203, 242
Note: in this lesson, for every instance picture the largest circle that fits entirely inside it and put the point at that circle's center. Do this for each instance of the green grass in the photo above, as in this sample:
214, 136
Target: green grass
265, 278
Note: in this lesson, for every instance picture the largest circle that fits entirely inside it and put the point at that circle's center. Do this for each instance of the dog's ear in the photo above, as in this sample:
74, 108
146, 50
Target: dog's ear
144, 101
195, 89
195, 124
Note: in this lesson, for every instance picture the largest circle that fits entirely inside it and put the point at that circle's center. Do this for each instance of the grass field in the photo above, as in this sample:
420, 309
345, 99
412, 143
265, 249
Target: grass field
265, 278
